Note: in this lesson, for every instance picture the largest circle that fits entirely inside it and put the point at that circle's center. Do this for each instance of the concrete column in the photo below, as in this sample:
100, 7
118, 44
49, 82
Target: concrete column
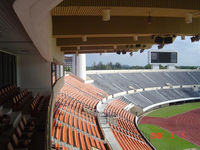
171, 67
155, 67
81, 66
73, 64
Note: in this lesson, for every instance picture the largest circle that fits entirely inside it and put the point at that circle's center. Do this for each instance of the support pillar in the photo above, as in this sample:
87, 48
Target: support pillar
171, 67
81, 66
73, 64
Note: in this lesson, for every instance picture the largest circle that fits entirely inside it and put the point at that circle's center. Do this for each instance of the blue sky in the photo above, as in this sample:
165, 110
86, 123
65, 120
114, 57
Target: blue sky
188, 55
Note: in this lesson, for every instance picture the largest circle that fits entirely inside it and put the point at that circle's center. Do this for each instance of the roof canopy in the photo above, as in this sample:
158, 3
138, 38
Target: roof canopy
133, 25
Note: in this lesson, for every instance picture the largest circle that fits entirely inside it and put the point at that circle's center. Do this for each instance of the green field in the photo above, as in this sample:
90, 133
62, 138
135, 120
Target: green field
165, 143
174, 110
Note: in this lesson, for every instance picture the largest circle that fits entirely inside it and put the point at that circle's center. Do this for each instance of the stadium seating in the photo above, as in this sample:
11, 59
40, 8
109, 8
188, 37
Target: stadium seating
17, 127
7, 93
89, 89
39, 106
75, 122
20, 99
147, 98
124, 130
80, 96
118, 82
73, 126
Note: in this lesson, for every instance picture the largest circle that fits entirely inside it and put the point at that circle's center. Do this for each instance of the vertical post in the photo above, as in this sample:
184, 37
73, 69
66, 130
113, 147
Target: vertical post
81, 66
73, 64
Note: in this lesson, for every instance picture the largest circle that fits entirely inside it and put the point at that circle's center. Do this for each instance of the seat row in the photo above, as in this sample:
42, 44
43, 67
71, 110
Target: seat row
116, 107
80, 96
21, 138
76, 138
20, 99
73, 126
84, 125
125, 129
90, 89
14, 128
70, 104
74, 115
35, 102
7, 93
7, 89
128, 143
39, 106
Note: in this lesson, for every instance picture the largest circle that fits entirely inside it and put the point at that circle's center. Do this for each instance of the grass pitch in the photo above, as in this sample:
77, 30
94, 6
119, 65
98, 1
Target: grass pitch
174, 110
166, 142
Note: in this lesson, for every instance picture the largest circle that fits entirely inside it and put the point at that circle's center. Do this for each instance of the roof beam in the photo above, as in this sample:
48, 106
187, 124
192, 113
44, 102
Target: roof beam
82, 48
86, 48
94, 51
103, 49
91, 51
70, 42
90, 25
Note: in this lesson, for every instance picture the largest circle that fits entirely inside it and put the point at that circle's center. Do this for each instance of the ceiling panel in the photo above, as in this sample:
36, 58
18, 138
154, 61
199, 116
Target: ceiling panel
13, 37
122, 11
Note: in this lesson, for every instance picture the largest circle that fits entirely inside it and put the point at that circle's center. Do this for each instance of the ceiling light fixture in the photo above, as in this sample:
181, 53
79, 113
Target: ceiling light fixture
84, 38
149, 19
106, 15
188, 18
135, 38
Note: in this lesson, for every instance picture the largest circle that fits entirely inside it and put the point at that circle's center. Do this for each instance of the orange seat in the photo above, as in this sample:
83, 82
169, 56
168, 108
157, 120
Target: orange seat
83, 147
87, 142
64, 134
71, 136
53, 128
58, 131
77, 142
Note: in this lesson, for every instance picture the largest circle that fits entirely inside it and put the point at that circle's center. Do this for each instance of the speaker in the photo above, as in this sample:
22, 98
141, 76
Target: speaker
124, 52
159, 40
168, 40
138, 45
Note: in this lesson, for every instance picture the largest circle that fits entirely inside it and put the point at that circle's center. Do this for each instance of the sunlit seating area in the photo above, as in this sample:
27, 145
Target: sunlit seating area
75, 119
124, 128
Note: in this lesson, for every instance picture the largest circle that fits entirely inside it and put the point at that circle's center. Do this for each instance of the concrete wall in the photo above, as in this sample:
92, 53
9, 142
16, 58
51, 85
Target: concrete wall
36, 18
34, 73
56, 89
56, 54
136, 110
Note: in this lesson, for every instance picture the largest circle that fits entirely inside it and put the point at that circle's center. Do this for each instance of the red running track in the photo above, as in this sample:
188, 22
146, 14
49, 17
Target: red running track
188, 122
